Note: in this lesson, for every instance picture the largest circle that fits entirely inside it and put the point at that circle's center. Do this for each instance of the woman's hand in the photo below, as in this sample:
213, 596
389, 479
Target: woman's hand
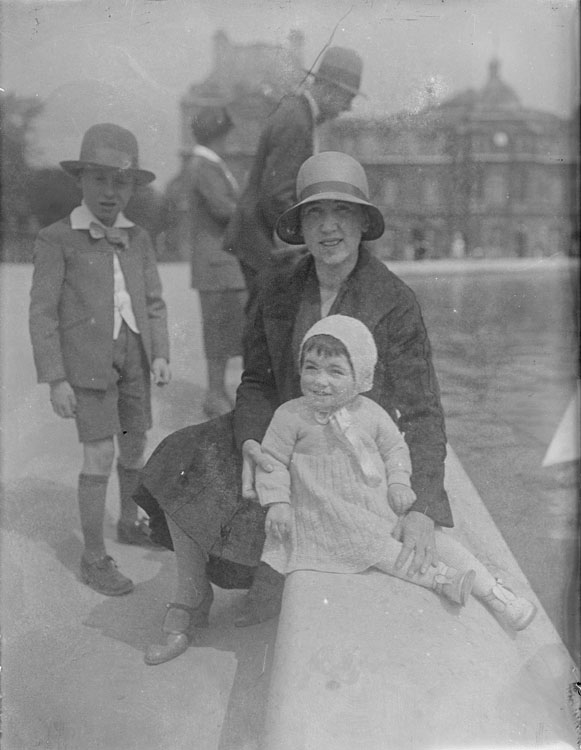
416, 532
278, 521
400, 498
252, 455
63, 400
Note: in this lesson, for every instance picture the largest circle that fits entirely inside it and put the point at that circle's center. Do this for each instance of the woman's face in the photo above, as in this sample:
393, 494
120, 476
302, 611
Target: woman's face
332, 230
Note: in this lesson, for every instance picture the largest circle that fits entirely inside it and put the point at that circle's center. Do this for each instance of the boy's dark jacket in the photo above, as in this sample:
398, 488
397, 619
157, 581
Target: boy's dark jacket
71, 303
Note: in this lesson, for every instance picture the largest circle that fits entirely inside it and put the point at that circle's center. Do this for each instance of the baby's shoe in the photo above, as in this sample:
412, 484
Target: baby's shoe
514, 611
452, 584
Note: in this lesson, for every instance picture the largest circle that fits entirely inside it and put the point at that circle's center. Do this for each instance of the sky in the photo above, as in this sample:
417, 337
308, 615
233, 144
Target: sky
130, 61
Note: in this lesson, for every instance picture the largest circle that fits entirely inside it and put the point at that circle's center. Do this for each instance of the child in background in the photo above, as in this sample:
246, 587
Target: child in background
98, 327
338, 457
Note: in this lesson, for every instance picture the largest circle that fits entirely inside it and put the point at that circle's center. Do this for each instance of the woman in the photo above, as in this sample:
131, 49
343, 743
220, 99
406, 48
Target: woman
203, 476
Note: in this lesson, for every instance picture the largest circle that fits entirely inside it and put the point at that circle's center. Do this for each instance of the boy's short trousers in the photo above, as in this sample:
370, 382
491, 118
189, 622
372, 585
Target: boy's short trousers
126, 404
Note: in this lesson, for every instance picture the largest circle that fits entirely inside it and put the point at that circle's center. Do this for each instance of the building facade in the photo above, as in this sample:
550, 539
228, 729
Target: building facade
477, 175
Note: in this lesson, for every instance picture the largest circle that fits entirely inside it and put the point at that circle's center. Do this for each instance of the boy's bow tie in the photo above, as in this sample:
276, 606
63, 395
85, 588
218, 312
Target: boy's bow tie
113, 235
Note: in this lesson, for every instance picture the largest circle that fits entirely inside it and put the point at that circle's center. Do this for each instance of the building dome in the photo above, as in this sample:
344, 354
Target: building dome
496, 94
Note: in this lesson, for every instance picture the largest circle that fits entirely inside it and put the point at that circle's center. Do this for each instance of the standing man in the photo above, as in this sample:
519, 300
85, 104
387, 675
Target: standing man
210, 193
288, 139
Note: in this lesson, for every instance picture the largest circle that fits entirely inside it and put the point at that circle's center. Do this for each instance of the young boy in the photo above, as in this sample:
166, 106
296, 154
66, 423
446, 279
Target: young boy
341, 478
98, 326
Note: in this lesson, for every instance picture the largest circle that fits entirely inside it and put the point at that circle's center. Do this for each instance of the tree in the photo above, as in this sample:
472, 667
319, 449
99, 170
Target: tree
52, 195
16, 117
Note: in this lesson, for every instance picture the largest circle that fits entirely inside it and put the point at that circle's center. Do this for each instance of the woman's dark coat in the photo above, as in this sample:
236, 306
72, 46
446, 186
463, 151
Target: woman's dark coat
195, 473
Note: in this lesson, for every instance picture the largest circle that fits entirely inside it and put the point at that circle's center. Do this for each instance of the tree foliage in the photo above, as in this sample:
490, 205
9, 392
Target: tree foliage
16, 117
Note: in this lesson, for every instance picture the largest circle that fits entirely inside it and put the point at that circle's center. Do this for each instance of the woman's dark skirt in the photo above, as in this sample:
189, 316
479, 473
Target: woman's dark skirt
194, 476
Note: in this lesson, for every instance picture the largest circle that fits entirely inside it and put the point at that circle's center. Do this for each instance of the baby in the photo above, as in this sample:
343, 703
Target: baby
341, 478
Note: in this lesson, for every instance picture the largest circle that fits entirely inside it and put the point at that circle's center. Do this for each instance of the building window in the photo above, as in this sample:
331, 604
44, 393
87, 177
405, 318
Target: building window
495, 189
430, 193
547, 188
555, 241
520, 185
552, 189
390, 192
524, 144
387, 247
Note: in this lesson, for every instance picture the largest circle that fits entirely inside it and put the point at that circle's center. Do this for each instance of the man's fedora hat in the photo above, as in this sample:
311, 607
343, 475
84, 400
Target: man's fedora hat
342, 67
333, 176
109, 146
211, 121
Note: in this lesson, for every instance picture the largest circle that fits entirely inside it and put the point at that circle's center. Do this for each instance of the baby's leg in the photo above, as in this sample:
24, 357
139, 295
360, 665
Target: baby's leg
455, 554
448, 581
514, 611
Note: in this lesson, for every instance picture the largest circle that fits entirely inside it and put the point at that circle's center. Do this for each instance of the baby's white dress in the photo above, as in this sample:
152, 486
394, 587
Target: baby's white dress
340, 518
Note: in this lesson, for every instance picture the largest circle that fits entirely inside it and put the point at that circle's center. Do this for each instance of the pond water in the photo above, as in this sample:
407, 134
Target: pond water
505, 343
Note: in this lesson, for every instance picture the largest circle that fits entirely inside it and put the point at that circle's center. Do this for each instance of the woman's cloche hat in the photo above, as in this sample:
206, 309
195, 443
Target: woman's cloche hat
109, 146
342, 67
333, 176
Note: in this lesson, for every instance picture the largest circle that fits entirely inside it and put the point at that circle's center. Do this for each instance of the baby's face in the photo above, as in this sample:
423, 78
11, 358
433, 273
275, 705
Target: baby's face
327, 382
106, 192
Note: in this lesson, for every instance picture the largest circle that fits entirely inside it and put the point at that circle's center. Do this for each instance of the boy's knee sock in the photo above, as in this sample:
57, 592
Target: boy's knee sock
92, 493
128, 481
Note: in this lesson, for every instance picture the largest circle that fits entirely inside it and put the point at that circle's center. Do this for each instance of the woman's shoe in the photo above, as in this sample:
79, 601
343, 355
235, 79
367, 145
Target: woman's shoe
452, 584
264, 598
514, 611
180, 636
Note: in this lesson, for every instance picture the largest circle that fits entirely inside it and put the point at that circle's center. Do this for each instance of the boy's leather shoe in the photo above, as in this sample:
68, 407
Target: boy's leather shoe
136, 532
103, 576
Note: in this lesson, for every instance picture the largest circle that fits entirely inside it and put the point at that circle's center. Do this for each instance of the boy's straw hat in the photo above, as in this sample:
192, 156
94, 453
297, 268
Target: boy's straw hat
342, 67
110, 146
334, 176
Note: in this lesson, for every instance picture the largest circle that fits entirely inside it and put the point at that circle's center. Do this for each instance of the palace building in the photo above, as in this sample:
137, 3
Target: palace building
476, 175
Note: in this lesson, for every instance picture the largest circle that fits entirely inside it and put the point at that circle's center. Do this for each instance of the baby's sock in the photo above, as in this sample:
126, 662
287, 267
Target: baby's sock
451, 582
455, 554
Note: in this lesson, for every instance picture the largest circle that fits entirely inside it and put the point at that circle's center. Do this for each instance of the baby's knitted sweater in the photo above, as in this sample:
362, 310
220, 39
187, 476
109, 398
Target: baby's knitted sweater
339, 521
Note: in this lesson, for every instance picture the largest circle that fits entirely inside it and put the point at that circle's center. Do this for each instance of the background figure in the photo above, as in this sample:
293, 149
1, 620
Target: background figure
210, 192
288, 139
458, 248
